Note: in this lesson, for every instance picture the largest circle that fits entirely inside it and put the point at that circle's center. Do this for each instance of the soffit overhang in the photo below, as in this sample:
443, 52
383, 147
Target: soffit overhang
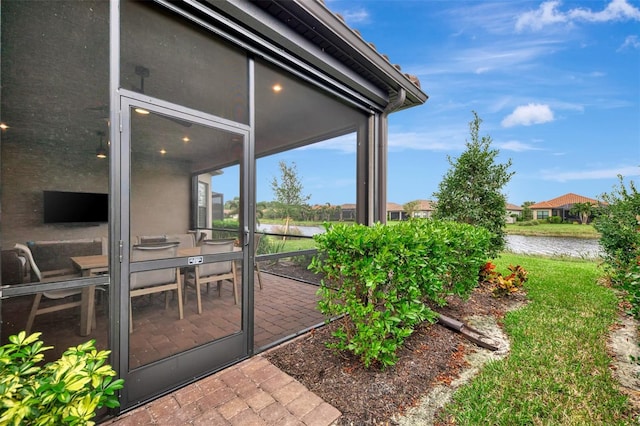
310, 32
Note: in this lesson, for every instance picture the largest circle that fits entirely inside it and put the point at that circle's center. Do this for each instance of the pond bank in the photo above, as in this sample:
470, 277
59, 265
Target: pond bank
554, 230
555, 246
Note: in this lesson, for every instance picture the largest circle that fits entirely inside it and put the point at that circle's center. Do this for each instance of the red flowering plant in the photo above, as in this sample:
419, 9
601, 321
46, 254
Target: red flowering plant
487, 273
499, 284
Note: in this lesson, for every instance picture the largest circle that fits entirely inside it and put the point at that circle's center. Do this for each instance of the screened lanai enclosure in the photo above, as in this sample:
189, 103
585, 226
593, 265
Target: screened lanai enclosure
125, 127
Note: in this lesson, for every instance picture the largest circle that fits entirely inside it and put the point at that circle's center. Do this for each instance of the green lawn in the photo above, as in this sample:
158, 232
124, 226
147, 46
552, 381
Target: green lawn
554, 230
558, 370
543, 229
275, 244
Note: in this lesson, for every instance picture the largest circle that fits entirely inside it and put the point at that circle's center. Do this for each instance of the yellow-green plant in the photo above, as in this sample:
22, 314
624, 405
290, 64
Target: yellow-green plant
65, 392
501, 285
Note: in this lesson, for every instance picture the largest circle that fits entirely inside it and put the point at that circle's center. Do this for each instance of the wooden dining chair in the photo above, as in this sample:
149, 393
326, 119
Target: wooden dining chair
155, 281
214, 272
36, 307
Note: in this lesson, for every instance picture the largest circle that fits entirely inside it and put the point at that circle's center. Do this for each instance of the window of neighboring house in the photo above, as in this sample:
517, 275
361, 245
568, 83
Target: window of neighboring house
542, 214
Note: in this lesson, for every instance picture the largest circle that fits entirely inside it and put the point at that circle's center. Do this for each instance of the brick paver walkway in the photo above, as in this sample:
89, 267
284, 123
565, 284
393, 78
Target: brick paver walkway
253, 392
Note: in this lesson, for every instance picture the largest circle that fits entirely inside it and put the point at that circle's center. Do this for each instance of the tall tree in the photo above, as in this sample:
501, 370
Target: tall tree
471, 190
583, 211
410, 207
527, 213
233, 206
288, 192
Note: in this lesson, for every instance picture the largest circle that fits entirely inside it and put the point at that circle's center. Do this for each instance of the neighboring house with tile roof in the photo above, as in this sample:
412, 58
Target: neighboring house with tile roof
424, 209
344, 212
559, 206
513, 213
395, 212
347, 212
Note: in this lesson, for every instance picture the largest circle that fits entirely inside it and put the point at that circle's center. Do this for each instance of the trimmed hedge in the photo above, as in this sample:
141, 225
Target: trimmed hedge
381, 276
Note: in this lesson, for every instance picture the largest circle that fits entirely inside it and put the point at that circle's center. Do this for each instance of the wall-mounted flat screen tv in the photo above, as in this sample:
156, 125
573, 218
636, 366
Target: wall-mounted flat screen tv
75, 207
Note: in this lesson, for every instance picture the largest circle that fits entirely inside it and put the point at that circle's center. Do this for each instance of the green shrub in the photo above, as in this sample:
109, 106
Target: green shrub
227, 228
270, 245
381, 276
533, 222
263, 245
226, 224
465, 249
554, 219
619, 226
67, 391
631, 281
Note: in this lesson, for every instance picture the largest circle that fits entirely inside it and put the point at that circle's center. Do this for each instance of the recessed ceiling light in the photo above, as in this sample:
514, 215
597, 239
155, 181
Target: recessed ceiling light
186, 139
163, 151
141, 111
4, 126
277, 88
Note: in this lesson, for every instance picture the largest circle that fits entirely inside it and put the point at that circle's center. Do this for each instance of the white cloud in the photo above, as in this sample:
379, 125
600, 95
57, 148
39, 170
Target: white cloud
569, 106
549, 14
527, 115
617, 10
424, 142
517, 146
355, 16
503, 55
563, 176
631, 42
345, 144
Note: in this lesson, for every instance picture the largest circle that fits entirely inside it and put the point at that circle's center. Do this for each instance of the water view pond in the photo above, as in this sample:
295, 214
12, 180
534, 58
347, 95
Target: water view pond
585, 248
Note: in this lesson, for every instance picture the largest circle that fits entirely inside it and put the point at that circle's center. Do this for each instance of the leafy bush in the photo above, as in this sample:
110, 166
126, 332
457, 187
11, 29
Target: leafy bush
270, 245
533, 222
632, 287
619, 226
227, 228
67, 391
381, 277
263, 244
554, 219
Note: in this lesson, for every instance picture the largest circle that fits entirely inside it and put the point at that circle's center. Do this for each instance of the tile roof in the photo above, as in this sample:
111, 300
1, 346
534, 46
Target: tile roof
513, 207
394, 207
413, 78
562, 201
423, 205
426, 205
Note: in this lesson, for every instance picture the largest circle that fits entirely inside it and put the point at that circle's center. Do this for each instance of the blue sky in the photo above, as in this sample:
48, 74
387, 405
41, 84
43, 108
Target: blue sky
557, 85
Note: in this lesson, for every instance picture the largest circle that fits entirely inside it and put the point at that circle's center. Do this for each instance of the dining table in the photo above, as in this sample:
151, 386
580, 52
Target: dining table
89, 266
99, 264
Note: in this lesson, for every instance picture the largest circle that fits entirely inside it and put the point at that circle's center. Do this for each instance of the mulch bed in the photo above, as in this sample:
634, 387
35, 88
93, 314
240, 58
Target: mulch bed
432, 355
